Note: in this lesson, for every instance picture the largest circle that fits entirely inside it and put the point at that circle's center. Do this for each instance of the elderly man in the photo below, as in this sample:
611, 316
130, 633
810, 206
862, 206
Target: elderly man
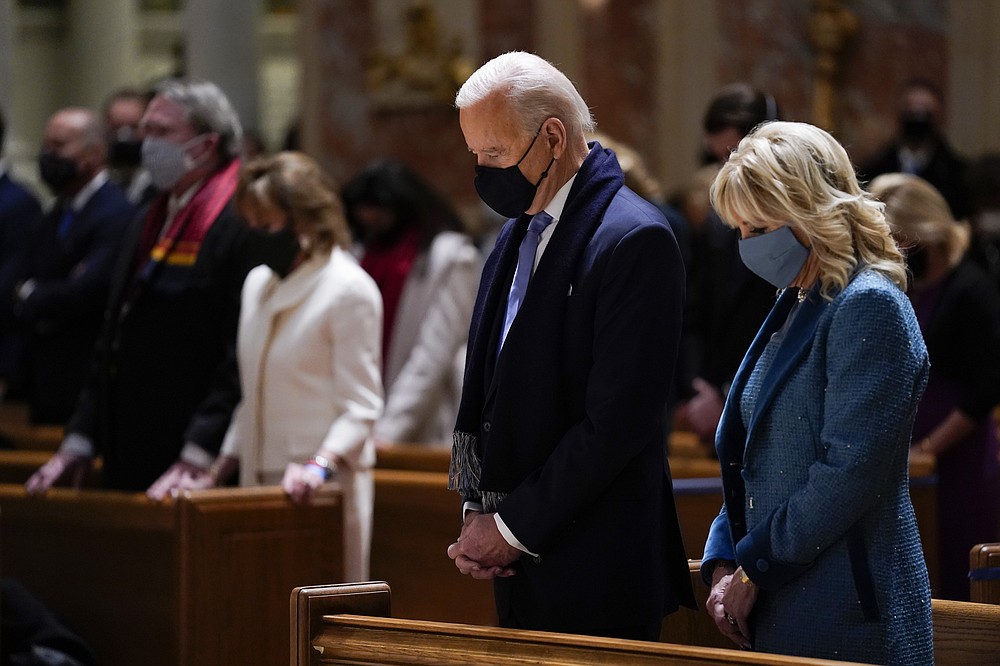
67, 265
165, 384
559, 448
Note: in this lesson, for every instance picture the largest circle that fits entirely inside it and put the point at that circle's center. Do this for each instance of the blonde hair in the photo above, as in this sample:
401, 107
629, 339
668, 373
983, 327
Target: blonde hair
918, 213
798, 174
295, 184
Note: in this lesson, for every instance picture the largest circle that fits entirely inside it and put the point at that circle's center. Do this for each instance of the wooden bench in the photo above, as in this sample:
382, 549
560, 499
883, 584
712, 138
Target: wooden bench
984, 573
20, 433
351, 624
203, 580
416, 517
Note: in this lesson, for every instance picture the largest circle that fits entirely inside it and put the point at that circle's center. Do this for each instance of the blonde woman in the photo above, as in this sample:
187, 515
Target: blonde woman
308, 346
816, 551
958, 309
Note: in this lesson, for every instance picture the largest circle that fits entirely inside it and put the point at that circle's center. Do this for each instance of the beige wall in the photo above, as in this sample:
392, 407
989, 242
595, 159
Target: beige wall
648, 67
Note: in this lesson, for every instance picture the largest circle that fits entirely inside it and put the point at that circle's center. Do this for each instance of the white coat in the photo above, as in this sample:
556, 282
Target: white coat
426, 358
309, 350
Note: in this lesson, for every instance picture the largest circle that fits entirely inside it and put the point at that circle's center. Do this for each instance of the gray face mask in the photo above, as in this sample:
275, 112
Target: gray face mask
776, 256
166, 161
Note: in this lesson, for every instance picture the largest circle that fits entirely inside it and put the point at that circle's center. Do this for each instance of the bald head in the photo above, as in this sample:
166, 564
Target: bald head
74, 135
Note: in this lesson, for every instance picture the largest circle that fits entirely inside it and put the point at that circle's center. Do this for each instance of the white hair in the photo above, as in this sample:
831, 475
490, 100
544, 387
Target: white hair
209, 110
534, 90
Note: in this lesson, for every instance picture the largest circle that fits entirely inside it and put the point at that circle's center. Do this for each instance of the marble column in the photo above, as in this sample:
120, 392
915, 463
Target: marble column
973, 68
223, 46
101, 50
6, 51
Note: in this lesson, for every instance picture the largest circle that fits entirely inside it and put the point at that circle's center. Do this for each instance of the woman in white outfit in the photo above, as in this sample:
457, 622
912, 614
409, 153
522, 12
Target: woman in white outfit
309, 347
427, 270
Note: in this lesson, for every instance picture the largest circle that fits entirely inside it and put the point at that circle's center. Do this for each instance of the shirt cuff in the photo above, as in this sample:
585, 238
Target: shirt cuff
197, 456
471, 506
78, 445
509, 536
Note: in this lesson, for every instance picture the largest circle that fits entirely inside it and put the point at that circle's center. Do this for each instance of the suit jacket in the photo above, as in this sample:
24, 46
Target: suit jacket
164, 371
428, 338
945, 170
19, 213
817, 507
568, 425
309, 351
64, 312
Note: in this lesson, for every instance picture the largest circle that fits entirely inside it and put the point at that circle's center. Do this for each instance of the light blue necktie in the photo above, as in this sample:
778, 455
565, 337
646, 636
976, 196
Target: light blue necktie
525, 266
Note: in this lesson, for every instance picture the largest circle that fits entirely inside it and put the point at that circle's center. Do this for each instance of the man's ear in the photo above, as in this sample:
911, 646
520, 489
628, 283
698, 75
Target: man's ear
554, 134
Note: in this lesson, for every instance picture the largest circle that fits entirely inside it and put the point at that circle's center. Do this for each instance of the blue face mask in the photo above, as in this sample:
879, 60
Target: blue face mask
776, 256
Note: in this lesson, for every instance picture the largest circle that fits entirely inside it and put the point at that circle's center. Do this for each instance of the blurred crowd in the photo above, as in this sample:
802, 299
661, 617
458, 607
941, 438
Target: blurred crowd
196, 310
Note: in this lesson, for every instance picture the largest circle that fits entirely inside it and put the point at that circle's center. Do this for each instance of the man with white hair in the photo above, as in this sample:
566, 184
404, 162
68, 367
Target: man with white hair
559, 446
164, 382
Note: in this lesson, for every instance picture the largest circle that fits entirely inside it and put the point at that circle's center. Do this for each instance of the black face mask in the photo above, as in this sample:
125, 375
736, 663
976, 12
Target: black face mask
916, 261
506, 190
279, 249
916, 125
57, 172
125, 153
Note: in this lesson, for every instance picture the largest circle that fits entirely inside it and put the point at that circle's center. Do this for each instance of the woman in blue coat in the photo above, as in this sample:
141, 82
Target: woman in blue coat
816, 550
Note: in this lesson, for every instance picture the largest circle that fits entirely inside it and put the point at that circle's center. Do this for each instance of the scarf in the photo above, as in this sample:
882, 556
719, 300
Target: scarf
597, 182
390, 265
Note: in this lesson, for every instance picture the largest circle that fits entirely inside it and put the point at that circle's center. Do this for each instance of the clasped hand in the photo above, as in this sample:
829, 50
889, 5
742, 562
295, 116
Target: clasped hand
481, 551
730, 602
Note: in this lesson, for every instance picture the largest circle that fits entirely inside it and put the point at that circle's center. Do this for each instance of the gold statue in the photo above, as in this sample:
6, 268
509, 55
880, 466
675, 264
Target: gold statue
831, 28
426, 72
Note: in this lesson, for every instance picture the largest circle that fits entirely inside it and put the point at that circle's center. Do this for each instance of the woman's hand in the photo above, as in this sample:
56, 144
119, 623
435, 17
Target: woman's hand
301, 481
738, 600
723, 578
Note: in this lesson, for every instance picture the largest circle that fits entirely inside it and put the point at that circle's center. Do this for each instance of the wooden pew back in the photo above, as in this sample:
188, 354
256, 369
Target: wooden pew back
202, 580
350, 625
17, 429
984, 573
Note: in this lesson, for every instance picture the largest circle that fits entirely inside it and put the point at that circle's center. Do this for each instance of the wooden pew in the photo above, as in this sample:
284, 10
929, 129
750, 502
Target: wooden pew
17, 429
203, 580
416, 517
350, 624
984, 573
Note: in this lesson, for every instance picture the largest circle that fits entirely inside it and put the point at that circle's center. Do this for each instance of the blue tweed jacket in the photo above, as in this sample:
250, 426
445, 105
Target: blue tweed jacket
817, 507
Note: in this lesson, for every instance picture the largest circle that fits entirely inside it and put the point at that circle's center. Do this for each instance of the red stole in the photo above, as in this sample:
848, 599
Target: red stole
180, 244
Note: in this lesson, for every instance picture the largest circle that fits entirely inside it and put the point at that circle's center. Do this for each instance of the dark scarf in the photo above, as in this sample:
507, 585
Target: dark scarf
597, 182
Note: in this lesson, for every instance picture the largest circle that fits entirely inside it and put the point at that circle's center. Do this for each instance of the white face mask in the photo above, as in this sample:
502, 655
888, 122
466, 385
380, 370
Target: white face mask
166, 161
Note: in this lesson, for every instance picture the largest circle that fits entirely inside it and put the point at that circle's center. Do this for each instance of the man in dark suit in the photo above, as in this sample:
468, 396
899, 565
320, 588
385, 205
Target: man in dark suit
19, 213
67, 264
559, 450
921, 148
165, 382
